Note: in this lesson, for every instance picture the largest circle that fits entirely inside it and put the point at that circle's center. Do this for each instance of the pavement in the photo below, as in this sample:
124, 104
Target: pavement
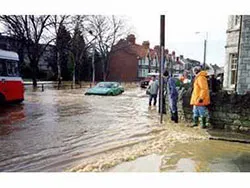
149, 163
217, 134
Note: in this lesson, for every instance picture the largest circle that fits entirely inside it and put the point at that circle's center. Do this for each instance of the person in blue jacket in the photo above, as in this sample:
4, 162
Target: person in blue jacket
172, 93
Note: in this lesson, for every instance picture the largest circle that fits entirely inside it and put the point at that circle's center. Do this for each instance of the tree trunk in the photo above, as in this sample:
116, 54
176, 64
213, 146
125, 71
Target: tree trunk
103, 70
59, 75
93, 66
34, 76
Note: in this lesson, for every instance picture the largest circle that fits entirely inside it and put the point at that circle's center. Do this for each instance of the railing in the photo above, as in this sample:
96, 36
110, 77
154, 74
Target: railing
55, 85
41, 85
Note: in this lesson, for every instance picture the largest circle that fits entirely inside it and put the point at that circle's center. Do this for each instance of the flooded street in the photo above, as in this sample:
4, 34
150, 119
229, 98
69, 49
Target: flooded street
64, 130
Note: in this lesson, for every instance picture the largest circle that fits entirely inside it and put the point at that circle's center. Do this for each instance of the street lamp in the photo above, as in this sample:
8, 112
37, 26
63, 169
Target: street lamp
205, 49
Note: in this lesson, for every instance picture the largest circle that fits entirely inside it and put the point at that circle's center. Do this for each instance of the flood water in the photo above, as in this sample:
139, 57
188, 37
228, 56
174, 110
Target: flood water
64, 130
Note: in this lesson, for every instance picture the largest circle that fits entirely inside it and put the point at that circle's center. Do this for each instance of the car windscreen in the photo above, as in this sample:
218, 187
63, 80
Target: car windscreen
107, 85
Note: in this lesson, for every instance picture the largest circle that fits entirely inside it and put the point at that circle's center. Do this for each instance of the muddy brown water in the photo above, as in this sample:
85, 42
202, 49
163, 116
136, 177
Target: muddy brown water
59, 130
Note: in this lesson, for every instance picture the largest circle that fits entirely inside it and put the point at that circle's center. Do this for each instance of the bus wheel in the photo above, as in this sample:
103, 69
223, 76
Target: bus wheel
2, 98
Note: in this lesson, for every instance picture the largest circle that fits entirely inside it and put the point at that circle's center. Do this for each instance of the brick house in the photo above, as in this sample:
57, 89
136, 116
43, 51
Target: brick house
132, 62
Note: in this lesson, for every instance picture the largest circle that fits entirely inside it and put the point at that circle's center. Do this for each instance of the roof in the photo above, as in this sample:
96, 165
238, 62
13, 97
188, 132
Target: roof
140, 51
9, 55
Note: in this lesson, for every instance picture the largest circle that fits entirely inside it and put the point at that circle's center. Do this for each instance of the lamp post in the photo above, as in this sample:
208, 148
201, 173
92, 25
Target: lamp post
205, 48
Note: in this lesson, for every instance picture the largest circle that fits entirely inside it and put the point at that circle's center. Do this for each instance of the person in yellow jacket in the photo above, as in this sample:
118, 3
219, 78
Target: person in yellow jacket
200, 96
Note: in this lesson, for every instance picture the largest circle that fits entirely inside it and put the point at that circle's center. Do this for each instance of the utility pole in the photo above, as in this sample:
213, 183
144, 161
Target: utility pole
205, 52
162, 46
205, 49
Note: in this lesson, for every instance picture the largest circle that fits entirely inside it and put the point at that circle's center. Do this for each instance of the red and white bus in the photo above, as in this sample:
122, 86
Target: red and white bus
11, 84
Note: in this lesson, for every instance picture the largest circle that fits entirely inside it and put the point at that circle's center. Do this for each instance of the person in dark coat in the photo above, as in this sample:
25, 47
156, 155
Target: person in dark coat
213, 84
172, 93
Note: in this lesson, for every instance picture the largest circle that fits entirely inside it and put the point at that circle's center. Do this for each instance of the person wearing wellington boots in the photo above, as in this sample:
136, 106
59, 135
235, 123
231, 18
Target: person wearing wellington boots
171, 91
200, 97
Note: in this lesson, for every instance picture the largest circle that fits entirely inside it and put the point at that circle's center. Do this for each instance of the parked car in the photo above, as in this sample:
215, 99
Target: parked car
144, 83
106, 88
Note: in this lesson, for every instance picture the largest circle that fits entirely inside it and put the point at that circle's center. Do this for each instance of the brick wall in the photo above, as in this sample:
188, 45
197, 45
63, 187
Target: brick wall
227, 111
243, 81
123, 67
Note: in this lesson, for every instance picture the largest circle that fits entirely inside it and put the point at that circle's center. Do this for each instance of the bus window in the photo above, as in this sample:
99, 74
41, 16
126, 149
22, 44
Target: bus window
12, 68
3, 71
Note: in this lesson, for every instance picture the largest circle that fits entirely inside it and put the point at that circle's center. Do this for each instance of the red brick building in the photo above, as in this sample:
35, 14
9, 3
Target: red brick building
131, 62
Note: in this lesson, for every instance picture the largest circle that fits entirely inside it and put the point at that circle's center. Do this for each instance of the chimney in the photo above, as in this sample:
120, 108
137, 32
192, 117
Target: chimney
131, 39
146, 44
178, 59
157, 48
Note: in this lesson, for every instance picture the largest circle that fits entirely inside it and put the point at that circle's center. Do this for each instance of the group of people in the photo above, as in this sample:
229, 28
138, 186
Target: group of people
200, 98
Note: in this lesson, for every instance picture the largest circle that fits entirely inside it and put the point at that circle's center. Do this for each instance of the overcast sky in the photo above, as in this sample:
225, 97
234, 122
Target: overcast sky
183, 19
180, 34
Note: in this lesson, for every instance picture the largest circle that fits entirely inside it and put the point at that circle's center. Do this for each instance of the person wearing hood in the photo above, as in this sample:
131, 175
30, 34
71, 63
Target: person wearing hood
172, 92
200, 97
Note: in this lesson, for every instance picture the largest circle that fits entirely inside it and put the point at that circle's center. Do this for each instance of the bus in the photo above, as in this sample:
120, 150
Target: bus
11, 84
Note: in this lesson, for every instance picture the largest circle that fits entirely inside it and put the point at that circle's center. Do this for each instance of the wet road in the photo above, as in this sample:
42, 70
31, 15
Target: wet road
61, 130
52, 127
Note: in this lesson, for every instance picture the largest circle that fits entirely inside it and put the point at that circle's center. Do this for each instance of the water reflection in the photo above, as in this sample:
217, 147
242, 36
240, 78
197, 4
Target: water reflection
55, 130
10, 115
59, 124
207, 156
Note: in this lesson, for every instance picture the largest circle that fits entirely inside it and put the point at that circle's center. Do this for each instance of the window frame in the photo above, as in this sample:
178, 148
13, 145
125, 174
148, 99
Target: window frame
233, 57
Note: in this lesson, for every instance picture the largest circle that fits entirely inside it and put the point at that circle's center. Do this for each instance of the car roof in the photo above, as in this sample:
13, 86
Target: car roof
108, 83
153, 74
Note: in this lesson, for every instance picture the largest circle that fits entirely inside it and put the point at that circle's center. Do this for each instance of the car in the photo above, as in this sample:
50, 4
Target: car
145, 82
106, 88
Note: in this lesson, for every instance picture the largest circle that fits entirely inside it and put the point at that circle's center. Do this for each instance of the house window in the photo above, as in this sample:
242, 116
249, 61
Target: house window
146, 61
139, 62
154, 62
233, 63
140, 73
144, 72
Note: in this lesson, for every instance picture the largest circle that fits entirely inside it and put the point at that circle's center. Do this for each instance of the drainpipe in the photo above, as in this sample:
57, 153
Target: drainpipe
237, 66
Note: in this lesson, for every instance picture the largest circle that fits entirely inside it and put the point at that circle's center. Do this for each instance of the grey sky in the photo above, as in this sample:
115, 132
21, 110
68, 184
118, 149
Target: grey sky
180, 34
183, 19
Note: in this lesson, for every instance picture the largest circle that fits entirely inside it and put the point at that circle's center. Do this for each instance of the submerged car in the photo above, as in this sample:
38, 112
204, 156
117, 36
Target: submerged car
106, 88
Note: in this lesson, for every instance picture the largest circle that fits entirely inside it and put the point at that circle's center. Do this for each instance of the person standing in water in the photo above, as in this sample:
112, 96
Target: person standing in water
153, 90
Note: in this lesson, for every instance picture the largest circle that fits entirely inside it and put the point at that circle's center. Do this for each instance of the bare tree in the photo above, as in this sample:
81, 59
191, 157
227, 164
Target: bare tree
80, 44
107, 30
58, 23
31, 30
